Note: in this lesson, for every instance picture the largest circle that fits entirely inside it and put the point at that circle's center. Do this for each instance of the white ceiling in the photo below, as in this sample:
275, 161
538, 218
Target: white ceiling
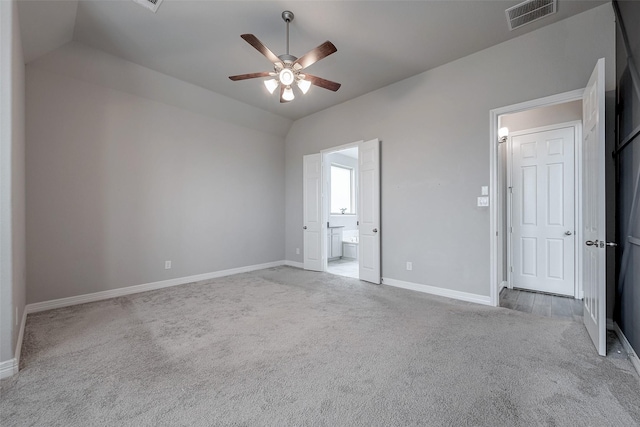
379, 42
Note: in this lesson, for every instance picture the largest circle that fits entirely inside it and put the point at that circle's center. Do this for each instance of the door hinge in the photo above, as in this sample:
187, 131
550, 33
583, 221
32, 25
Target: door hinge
511, 190
511, 269
511, 229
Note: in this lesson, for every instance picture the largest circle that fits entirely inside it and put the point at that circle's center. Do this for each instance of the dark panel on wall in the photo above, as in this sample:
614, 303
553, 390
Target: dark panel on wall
627, 313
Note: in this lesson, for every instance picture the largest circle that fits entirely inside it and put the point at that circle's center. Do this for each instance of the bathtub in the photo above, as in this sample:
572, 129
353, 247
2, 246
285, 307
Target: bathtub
350, 244
350, 236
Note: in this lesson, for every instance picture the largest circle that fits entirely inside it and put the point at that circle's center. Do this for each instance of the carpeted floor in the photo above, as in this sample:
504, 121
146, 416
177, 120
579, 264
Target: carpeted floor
285, 347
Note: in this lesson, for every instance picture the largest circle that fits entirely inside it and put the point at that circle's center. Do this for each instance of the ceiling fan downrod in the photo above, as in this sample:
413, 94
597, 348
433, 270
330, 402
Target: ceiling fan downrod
287, 15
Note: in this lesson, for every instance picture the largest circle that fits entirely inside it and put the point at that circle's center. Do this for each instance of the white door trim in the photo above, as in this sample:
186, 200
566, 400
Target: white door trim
577, 168
496, 248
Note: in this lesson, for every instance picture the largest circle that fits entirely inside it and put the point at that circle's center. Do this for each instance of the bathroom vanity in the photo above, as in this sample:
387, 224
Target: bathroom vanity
334, 242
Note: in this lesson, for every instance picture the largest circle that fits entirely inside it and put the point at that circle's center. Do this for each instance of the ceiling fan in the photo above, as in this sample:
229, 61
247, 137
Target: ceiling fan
287, 69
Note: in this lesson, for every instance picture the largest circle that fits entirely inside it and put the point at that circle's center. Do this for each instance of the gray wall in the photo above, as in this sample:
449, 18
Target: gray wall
12, 180
117, 183
434, 129
628, 295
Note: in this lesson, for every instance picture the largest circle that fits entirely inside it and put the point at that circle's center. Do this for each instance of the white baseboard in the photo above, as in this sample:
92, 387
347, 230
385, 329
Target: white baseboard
294, 264
113, 293
20, 338
633, 356
449, 293
8, 368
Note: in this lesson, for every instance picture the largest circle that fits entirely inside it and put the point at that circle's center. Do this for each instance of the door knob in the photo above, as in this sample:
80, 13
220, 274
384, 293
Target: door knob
304, 228
592, 243
567, 233
375, 230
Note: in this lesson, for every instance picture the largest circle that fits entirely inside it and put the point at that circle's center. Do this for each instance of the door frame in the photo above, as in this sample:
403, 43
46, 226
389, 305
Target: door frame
324, 192
497, 224
577, 200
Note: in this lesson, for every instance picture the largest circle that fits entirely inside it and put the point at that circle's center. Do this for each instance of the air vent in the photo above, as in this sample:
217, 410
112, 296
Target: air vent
152, 5
529, 11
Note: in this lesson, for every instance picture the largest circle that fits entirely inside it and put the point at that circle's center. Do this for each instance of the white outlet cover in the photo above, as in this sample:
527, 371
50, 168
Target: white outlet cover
485, 190
483, 201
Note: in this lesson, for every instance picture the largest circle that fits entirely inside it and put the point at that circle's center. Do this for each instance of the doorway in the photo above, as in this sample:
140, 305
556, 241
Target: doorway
341, 211
538, 175
317, 234
529, 118
538, 178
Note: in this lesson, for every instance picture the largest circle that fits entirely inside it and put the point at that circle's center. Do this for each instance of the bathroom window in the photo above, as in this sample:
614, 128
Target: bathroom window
342, 190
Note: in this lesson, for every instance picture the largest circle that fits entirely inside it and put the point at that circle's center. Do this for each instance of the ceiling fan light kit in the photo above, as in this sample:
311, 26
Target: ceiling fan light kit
287, 68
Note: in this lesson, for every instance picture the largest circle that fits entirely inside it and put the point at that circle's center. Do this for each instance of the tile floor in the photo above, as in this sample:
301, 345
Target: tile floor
344, 267
542, 304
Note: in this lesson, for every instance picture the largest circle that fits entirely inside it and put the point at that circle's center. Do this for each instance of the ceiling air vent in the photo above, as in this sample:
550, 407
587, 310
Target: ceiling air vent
529, 11
152, 5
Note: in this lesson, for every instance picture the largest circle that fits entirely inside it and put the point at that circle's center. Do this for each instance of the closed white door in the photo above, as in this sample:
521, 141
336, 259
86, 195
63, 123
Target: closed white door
312, 213
369, 210
542, 208
593, 209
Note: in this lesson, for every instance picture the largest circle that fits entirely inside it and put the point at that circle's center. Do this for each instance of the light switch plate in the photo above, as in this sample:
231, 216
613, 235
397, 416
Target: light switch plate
483, 201
485, 190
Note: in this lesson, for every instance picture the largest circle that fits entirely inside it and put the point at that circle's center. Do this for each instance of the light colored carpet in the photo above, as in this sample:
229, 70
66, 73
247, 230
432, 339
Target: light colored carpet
283, 346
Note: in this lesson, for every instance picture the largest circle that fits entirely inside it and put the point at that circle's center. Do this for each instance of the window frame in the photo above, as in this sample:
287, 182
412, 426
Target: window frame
352, 190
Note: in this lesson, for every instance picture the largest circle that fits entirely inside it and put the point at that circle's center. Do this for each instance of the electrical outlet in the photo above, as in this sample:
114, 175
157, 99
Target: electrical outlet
483, 201
297, 251
485, 190
409, 265
167, 265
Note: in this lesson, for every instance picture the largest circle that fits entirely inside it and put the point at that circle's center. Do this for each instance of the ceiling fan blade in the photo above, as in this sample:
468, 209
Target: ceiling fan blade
282, 100
253, 41
315, 55
250, 76
318, 81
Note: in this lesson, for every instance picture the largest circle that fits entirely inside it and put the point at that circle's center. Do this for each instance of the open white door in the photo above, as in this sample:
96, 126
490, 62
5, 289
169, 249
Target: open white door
312, 213
593, 209
369, 210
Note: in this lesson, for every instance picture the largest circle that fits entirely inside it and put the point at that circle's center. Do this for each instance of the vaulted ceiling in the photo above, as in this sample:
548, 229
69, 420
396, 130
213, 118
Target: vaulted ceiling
379, 42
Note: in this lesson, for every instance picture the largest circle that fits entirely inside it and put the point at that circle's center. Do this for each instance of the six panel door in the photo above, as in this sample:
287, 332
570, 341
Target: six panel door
542, 209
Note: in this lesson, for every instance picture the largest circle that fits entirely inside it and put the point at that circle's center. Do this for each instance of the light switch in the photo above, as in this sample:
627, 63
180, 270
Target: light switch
483, 201
485, 190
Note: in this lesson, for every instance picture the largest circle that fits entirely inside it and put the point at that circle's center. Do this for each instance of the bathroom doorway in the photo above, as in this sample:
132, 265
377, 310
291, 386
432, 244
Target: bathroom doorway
341, 211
